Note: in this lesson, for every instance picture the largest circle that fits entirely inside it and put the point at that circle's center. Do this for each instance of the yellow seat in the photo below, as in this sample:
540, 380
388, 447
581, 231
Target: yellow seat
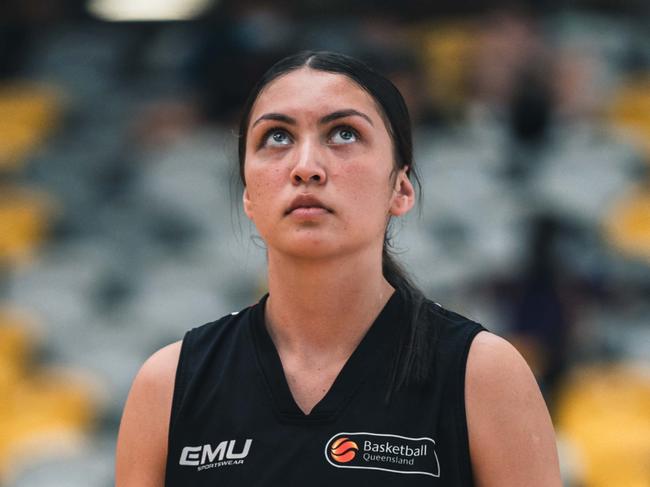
604, 411
42, 410
28, 113
630, 110
44, 413
627, 226
18, 338
17, 334
24, 217
446, 49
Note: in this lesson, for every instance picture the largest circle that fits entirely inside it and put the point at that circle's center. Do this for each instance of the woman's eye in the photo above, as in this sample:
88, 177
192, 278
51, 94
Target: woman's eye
276, 137
343, 135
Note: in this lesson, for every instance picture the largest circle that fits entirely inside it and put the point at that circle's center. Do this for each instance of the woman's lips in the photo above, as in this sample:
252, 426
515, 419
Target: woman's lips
307, 205
308, 211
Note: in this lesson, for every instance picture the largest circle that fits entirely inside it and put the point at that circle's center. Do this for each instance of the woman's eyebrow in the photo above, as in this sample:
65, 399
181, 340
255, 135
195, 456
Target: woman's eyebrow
276, 116
342, 114
280, 117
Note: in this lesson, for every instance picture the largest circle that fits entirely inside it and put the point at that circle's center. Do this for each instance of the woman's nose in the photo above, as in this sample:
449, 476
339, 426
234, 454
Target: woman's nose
308, 168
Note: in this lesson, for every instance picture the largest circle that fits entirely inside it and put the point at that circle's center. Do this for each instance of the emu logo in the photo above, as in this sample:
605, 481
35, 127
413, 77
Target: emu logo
195, 456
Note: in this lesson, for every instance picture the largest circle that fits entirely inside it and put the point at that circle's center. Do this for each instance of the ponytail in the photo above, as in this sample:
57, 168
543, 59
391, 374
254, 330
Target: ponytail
413, 359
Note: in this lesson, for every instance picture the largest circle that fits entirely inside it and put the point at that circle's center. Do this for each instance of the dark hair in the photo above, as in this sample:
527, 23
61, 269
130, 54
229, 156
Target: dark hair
412, 362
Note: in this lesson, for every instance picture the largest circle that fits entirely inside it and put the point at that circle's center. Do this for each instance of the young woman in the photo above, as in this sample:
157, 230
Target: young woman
343, 374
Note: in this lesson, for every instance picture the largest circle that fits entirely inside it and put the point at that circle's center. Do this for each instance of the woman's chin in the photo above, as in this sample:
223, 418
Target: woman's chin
308, 247
317, 244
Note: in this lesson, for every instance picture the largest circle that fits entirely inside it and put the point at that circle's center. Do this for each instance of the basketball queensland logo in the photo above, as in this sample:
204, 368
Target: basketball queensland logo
390, 453
343, 450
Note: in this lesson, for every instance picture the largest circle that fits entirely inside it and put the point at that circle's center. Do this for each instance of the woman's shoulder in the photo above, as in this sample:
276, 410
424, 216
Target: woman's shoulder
154, 382
145, 421
499, 379
160, 367
494, 362
510, 431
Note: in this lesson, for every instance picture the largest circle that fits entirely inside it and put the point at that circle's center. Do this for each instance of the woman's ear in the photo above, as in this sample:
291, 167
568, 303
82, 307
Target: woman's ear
248, 204
403, 194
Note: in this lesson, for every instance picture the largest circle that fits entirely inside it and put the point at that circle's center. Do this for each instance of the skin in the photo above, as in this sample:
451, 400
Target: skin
299, 144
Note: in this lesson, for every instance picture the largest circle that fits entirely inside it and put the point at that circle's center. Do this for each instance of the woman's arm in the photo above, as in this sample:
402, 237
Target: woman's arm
511, 437
142, 441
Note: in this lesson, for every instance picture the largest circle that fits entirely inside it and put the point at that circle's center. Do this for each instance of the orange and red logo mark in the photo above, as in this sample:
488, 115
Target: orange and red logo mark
343, 450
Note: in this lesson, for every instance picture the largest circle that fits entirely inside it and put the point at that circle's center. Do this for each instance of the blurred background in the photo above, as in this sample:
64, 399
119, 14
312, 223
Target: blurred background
120, 222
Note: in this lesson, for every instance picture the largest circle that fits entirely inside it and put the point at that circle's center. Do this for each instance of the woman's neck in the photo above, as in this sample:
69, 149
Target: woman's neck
324, 307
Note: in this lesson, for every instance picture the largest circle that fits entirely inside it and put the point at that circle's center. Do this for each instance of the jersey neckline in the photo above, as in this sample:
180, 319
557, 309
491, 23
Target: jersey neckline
371, 355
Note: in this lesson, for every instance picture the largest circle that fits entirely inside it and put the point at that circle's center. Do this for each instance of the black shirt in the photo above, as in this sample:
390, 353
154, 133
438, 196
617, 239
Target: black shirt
234, 421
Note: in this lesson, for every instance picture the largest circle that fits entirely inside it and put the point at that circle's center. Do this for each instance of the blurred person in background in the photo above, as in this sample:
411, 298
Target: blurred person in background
343, 341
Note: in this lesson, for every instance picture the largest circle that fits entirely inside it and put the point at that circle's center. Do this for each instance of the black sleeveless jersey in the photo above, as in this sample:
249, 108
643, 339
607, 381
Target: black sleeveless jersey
234, 421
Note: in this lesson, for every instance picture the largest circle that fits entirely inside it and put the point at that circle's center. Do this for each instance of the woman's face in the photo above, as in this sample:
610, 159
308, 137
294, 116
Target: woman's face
319, 167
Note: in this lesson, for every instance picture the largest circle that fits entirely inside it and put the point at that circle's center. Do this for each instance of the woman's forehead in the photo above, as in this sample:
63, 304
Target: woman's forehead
307, 90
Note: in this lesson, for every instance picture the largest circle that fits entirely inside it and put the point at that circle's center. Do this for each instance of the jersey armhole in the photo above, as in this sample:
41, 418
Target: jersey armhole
180, 382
